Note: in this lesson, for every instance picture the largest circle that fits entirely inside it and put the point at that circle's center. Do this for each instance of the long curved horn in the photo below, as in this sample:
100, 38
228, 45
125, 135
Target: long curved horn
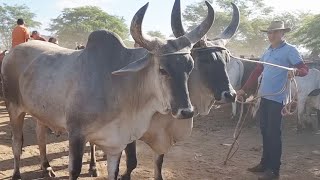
233, 26
176, 22
136, 32
196, 34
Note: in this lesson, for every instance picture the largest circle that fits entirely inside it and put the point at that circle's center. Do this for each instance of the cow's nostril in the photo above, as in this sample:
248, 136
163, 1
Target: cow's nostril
230, 96
187, 114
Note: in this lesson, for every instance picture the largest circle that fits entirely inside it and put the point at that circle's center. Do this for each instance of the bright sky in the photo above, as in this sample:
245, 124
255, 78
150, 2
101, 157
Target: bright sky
158, 13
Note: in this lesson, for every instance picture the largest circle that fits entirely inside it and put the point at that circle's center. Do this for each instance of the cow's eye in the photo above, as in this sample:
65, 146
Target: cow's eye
163, 72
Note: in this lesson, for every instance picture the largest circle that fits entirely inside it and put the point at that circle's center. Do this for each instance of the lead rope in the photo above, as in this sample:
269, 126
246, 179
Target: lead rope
288, 109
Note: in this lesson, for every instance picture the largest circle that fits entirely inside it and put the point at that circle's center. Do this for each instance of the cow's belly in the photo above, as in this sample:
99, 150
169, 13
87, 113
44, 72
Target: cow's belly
49, 116
45, 105
165, 131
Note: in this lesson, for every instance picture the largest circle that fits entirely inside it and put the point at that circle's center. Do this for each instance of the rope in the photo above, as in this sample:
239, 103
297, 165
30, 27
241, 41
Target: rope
261, 62
286, 110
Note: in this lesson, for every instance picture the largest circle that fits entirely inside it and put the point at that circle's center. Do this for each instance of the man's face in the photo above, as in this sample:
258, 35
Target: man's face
35, 35
275, 36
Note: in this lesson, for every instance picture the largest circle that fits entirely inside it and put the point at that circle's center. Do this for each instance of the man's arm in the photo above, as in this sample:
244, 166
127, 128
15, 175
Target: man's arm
302, 69
253, 78
296, 60
27, 34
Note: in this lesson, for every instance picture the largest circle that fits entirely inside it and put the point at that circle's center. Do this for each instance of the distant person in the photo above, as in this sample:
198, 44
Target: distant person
53, 40
36, 36
80, 47
20, 33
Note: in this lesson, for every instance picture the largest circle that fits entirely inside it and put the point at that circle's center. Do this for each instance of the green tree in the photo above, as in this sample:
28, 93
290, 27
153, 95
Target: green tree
156, 34
75, 24
8, 20
308, 34
254, 16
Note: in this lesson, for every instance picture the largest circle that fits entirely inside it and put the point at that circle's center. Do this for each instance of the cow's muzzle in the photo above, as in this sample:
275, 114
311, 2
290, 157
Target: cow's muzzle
184, 113
228, 96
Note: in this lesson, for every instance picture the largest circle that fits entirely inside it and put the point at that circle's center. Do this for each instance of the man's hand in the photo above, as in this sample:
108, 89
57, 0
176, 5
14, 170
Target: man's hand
240, 93
292, 73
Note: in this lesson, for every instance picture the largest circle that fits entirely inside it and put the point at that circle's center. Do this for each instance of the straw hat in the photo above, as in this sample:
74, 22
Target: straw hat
277, 25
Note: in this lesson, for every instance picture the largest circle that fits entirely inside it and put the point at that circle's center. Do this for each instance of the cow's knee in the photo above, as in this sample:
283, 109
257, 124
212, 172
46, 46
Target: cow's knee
131, 156
76, 149
16, 121
47, 170
113, 165
131, 160
158, 160
93, 171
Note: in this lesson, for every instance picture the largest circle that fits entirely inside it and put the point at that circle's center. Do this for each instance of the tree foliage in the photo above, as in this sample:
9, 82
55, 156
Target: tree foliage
156, 34
308, 34
254, 16
75, 24
8, 20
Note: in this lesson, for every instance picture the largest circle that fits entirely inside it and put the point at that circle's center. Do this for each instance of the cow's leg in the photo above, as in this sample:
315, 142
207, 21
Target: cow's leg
158, 161
315, 120
41, 132
318, 118
113, 162
234, 109
301, 110
16, 121
76, 149
131, 160
93, 162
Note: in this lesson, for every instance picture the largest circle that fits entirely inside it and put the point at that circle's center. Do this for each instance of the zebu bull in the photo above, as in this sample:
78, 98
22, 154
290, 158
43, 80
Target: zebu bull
208, 82
105, 94
306, 85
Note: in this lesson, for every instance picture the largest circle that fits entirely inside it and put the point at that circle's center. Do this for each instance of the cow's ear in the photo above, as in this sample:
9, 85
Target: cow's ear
133, 67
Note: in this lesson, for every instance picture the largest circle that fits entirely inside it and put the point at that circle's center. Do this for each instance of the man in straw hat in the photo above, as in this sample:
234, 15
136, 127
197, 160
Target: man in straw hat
273, 80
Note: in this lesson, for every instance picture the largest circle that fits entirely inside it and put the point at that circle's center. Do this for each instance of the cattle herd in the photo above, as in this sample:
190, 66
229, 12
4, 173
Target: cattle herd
111, 95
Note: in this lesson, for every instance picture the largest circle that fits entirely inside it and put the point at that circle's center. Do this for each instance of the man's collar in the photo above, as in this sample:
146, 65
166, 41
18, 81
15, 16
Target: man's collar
283, 43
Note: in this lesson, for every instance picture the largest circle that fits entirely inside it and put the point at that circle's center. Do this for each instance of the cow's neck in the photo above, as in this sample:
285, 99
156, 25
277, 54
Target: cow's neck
200, 95
138, 104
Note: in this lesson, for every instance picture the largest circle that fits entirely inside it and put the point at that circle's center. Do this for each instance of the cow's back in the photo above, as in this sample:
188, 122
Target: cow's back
16, 62
52, 83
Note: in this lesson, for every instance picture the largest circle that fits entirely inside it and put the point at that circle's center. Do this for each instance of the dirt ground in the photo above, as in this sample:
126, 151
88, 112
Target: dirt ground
198, 158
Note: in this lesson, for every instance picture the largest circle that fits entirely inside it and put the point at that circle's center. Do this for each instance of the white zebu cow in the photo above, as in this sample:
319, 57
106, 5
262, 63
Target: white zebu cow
311, 113
306, 85
235, 71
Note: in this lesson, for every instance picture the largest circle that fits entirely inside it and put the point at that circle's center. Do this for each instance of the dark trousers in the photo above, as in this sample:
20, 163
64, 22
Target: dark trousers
270, 125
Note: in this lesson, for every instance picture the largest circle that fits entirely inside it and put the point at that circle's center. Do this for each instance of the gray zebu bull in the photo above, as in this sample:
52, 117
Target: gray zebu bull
307, 85
94, 94
208, 82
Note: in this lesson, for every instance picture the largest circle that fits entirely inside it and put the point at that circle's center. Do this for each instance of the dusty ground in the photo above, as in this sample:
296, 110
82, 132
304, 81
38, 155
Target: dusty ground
198, 158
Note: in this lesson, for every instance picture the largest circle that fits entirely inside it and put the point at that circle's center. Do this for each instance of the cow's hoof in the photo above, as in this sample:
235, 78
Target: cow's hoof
93, 172
124, 177
16, 176
48, 172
